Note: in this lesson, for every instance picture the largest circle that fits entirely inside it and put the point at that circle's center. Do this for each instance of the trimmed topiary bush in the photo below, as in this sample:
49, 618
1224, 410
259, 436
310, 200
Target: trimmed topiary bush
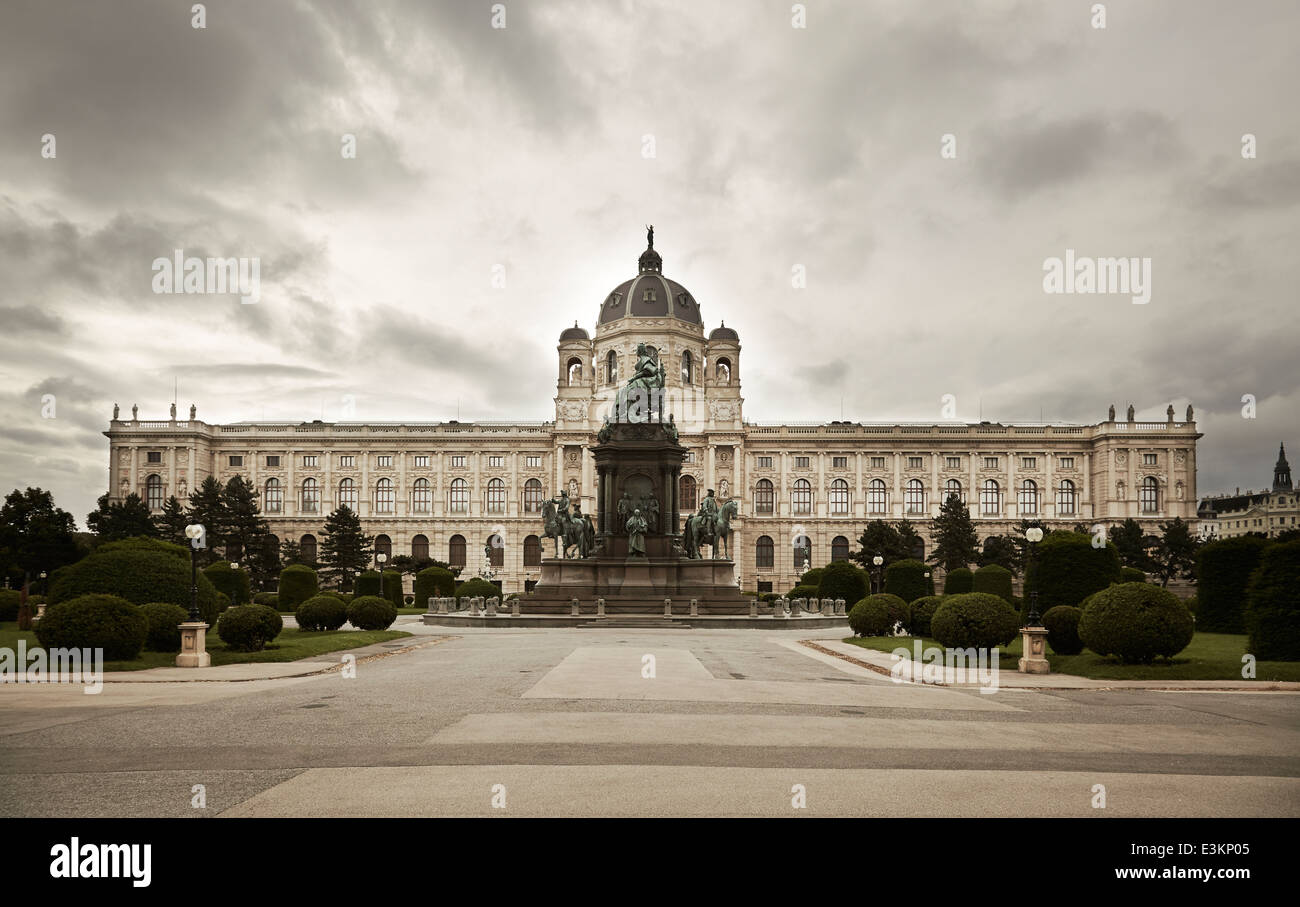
842, 579
1130, 575
476, 586
1136, 622
959, 582
801, 592
393, 588
1067, 569
248, 628
107, 622
297, 584
1062, 623
907, 580
270, 599
368, 582
321, 612
1223, 570
9, 599
164, 620
876, 615
1272, 614
433, 582
992, 579
922, 612
978, 620
139, 571
370, 612
234, 583
812, 577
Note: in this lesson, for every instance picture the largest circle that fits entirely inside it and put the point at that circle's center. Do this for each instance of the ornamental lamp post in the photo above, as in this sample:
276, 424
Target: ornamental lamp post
879, 562
1035, 535
380, 559
194, 652
1033, 636
194, 532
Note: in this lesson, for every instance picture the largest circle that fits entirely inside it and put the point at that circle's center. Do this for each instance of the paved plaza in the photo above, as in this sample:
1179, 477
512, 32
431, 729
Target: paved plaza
566, 722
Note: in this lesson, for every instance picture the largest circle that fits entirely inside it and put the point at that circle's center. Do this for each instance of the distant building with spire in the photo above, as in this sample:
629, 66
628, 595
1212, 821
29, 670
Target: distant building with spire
1267, 512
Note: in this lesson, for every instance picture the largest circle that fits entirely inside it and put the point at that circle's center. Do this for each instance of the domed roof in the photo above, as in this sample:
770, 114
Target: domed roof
574, 333
723, 333
650, 294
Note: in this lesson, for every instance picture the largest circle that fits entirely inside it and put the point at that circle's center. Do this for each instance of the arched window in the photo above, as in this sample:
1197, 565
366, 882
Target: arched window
153, 492
271, 548
533, 496
688, 368
877, 497
458, 497
456, 551
1029, 496
1149, 495
421, 496
348, 494
384, 546
307, 548
611, 368
990, 498
914, 496
532, 551
839, 548
764, 553
722, 371
574, 368
310, 496
801, 498
953, 487
918, 549
1065, 498
384, 496
802, 553
839, 497
496, 546
420, 547
496, 496
274, 496
688, 501
764, 498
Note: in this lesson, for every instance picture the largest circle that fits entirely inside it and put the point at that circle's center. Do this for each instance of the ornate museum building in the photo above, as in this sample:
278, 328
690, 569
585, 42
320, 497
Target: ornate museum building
1269, 512
805, 491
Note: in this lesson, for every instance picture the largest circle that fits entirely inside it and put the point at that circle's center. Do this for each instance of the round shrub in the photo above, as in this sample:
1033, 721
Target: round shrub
1223, 570
959, 581
139, 571
802, 592
1135, 621
1191, 605
841, 579
1130, 575
922, 612
297, 584
1067, 569
476, 586
164, 620
321, 612
1062, 623
370, 612
978, 620
812, 577
992, 579
393, 588
234, 583
369, 583
433, 582
907, 579
270, 599
1273, 605
248, 628
9, 599
107, 622
876, 615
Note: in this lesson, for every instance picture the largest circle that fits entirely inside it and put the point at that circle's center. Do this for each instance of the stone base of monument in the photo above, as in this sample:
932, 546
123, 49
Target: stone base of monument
636, 585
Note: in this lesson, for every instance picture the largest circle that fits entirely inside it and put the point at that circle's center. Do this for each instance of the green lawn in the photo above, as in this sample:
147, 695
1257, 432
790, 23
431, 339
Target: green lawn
1211, 656
290, 645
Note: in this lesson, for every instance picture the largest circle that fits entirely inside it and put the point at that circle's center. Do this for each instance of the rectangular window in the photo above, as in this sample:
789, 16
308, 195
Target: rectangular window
990, 462
954, 462
236, 461
458, 460
801, 462
1067, 462
384, 460
422, 460
1029, 462
915, 462
1148, 459
309, 461
764, 462
877, 462
273, 462
690, 456
839, 462
533, 461
155, 456
496, 461
347, 460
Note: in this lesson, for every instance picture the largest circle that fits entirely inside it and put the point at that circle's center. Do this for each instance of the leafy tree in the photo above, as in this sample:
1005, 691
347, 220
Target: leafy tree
36, 536
956, 543
124, 519
346, 549
1131, 543
172, 521
1000, 550
1175, 556
208, 507
291, 553
911, 540
246, 530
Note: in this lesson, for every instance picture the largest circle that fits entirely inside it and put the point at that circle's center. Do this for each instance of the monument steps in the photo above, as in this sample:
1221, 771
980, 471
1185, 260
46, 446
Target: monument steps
648, 622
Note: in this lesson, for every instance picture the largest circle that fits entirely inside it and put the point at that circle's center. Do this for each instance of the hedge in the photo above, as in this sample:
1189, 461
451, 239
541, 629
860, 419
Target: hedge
1131, 575
802, 592
270, 599
876, 615
978, 620
907, 579
164, 620
1223, 570
1067, 569
1136, 622
922, 612
476, 586
368, 583
234, 583
992, 579
297, 584
1273, 604
370, 612
959, 581
433, 582
9, 599
248, 628
1062, 623
842, 579
107, 622
812, 577
393, 588
140, 572
321, 612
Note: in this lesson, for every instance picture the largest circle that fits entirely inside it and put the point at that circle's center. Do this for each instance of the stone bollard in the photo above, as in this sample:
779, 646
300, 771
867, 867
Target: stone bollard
432, 604
753, 607
514, 607
796, 607
492, 606
600, 607
778, 607
478, 605
814, 605
839, 606
828, 607
442, 606
695, 607
668, 607
574, 608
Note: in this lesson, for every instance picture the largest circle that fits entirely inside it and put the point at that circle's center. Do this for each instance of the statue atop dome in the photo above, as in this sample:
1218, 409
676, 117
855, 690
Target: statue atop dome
650, 236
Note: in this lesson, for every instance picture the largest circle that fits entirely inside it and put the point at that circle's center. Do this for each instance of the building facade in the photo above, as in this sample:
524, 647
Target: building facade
448, 490
1268, 513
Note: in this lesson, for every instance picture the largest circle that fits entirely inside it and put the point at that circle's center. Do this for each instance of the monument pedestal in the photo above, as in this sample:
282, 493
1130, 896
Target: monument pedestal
194, 652
1034, 645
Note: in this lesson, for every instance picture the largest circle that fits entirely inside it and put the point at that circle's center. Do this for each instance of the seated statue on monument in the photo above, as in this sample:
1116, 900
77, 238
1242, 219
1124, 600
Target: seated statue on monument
642, 396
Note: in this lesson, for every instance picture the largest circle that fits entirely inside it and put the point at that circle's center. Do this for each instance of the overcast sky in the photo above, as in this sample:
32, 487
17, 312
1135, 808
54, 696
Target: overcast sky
526, 147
